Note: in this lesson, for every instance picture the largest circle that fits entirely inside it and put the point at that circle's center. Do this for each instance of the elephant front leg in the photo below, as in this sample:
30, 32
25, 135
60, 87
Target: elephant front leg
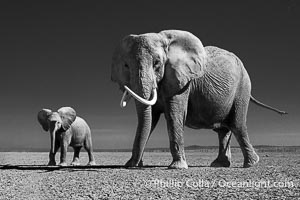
63, 154
224, 157
51, 159
175, 117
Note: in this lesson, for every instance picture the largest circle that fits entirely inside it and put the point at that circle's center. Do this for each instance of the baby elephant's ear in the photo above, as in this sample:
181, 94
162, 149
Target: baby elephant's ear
68, 116
43, 117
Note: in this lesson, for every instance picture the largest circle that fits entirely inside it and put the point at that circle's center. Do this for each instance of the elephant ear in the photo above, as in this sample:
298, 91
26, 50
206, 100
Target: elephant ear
68, 116
43, 117
119, 70
186, 59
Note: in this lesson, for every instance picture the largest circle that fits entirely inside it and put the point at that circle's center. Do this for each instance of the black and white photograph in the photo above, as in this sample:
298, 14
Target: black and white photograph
149, 100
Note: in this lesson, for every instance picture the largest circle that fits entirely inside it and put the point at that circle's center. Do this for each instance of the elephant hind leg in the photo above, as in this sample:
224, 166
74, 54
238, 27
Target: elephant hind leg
250, 156
89, 148
224, 157
239, 129
76, 156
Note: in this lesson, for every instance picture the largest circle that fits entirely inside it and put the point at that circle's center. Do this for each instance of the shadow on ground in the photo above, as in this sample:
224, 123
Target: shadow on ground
55, 168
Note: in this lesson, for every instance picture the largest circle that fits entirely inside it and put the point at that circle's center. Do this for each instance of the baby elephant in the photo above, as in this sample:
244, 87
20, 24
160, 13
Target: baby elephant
66, 129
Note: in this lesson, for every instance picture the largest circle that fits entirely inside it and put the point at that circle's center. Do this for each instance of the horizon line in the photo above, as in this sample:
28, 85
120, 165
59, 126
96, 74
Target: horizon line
190, 147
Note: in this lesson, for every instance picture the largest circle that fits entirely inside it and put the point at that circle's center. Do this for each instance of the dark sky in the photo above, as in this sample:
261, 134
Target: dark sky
54, 55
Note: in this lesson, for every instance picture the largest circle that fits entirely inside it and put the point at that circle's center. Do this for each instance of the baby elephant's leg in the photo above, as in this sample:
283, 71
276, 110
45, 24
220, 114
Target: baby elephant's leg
75, 161
89, 148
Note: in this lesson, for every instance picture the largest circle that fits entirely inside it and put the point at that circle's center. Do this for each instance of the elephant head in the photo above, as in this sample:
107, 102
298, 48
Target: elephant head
55, 121
143, 64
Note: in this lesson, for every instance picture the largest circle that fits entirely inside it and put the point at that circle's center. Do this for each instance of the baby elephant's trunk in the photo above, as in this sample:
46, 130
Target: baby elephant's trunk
52, 137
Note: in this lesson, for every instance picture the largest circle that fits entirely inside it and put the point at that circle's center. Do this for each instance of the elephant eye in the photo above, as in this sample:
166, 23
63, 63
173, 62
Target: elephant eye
156, 63
126, 66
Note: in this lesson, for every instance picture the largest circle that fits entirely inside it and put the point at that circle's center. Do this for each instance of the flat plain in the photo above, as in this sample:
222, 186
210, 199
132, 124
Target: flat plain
24, 175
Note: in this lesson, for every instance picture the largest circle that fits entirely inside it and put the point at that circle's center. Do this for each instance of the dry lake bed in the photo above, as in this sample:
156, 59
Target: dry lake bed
25, 176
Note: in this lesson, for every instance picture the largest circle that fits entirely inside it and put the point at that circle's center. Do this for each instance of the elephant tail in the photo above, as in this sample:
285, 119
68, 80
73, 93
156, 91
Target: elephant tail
266, 106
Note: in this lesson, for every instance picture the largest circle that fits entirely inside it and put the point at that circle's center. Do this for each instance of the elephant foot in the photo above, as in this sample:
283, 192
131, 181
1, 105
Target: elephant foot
91, 163
63, 164
141, 164
75, 163
251, 160
51, 163
178, 164
225, 162
131, 163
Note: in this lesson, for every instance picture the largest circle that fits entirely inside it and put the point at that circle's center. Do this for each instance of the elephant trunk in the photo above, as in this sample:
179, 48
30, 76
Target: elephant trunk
142, 131
52, 138
144, 88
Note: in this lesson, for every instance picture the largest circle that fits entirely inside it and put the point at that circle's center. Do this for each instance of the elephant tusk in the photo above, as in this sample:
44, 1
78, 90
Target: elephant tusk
123, 102
140, 99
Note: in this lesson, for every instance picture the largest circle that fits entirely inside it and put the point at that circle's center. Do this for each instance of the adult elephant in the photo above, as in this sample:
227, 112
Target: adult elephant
199, 87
